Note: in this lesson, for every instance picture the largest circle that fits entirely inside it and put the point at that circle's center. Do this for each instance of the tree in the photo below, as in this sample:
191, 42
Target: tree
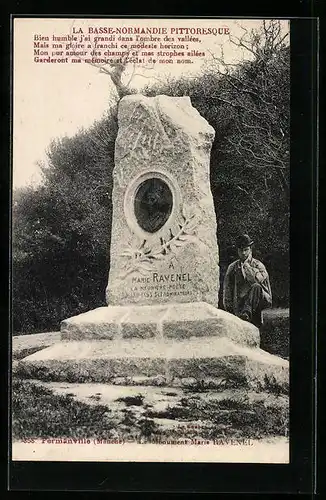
247, 103
256, 96
61, 230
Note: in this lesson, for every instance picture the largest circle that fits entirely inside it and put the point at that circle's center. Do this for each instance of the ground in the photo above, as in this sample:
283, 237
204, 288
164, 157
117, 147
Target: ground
82, 410
132, 412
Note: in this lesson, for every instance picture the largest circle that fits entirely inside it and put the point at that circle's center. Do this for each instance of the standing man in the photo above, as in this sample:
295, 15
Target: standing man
247, 290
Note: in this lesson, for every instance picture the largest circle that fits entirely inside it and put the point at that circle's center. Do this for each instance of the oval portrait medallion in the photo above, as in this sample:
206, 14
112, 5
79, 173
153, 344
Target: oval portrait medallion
153, 204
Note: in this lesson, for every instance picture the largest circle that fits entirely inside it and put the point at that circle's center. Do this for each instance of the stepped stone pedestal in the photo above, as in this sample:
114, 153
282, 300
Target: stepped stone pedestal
182, 345
162, 325
167, 362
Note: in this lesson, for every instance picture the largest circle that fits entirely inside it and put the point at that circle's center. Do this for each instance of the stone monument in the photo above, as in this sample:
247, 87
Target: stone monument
163, 243
162, 323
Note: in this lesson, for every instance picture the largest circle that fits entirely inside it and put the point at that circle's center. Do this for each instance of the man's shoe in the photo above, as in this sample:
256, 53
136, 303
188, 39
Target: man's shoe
245, 316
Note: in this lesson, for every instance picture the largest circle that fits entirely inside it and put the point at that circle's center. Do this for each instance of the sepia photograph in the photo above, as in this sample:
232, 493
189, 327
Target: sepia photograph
150, 240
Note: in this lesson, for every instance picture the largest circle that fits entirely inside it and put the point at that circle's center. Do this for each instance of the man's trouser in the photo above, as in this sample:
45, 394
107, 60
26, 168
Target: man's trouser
253, 302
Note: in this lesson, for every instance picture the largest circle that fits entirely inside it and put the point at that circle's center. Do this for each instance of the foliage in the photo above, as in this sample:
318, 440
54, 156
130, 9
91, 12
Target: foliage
248, 105
147, 427
275, 332
61, 229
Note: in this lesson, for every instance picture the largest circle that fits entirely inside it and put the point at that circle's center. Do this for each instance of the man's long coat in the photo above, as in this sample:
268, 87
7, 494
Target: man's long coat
238, 281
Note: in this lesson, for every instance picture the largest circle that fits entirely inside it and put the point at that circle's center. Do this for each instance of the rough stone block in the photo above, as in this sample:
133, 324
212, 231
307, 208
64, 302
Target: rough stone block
163, 241
142, 321
197, 319
204, 320
100, 323
168, 359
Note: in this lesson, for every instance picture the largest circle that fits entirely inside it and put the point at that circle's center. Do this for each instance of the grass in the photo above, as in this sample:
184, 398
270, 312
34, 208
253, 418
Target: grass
229, 417
275, 387
23, 353
38, 412
132, 400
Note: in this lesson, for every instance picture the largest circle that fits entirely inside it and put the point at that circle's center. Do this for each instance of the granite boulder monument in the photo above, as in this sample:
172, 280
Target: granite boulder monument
161, 324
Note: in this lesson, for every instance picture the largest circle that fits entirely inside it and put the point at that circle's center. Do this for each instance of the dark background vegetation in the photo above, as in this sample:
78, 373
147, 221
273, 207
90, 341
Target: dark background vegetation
61, 228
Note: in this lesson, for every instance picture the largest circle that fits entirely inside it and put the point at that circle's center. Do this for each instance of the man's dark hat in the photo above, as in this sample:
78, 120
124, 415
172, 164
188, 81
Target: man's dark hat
244, 241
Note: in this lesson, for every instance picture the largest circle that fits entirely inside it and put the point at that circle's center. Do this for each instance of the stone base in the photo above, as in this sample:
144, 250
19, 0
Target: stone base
191, 362
181, 345
194, 319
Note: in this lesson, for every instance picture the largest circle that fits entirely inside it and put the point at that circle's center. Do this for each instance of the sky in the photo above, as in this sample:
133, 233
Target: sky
53, 100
